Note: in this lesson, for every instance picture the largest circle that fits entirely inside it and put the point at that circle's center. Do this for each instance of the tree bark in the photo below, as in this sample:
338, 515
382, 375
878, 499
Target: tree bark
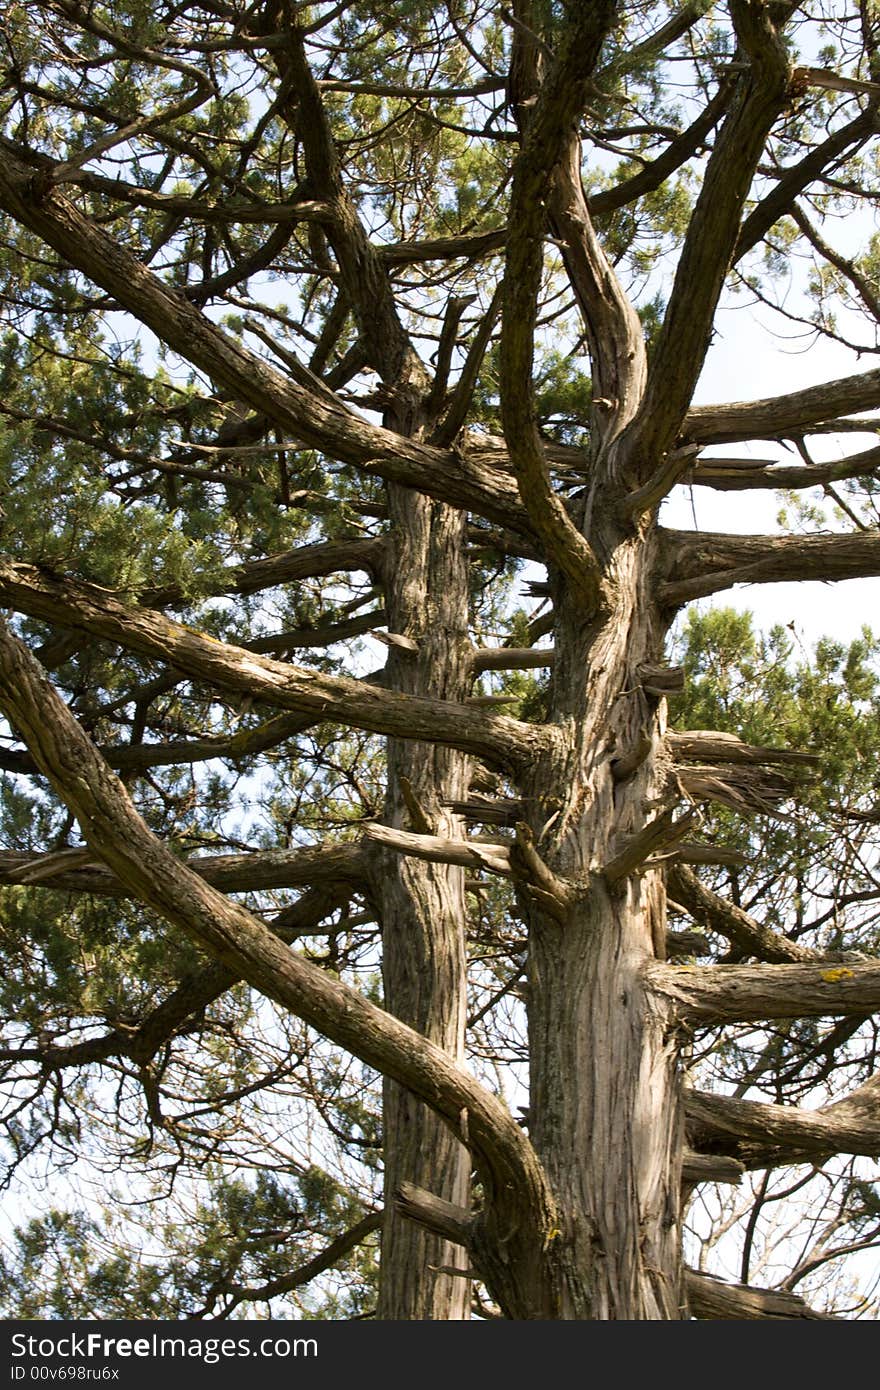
612, 1150
422, 906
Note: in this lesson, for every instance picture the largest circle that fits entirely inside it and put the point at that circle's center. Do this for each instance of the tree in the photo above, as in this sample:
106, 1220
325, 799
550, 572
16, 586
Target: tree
324, 323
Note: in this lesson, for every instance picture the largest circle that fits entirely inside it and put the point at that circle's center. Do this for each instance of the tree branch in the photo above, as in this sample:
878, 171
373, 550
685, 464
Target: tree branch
195, 993
751, 993
795, 179
338, 1248
763, 1135
659, 836
240, 941
435, 1214
337, 431
303, 562
678, 152
614, 331
491, 855
774, 417
715, 913
734, 475
364, 275
139, 757
712, 234
462, 394
546, 142
700, 563
85, 607
230, 873
848, 268
710, 745
713, 1299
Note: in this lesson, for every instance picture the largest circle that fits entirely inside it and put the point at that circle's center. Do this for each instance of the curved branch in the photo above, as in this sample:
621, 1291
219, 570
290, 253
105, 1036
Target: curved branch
678, 152
547, 142
505, 1159
302, 562
794, 180
85, 607
730, 921
338, 1248
848, 268
363, 273
614, 331
337, 431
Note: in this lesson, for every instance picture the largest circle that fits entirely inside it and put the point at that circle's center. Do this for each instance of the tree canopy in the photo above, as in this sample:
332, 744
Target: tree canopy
411, 907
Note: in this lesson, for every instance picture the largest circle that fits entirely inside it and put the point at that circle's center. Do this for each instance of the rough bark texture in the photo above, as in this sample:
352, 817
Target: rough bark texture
423, 905
590, 1015
594, 801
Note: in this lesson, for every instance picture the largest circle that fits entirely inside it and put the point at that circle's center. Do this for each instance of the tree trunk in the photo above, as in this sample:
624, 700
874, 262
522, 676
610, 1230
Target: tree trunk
423, 905
605, 1110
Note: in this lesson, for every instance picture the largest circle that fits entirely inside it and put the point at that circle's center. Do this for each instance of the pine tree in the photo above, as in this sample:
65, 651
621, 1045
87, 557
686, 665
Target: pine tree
326, 329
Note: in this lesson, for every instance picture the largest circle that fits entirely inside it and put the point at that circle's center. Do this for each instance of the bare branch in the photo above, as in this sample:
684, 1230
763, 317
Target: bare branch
511, 658
614, 330
658, 837
337, 1249
491, 855
241, 942
230, 873
435, 1214
712, 233
798, 177
777, 416
706, 562
710, 745
678, 152
462, 394
720, 915
859, 281
733, 475
86, 608
304, 562
697, 1167
712, 1298
547, 140
748, 993
763, 1135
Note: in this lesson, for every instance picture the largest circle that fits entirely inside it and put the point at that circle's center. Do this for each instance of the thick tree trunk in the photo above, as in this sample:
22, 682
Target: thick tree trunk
423, 905
605, 1116
605, 1111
